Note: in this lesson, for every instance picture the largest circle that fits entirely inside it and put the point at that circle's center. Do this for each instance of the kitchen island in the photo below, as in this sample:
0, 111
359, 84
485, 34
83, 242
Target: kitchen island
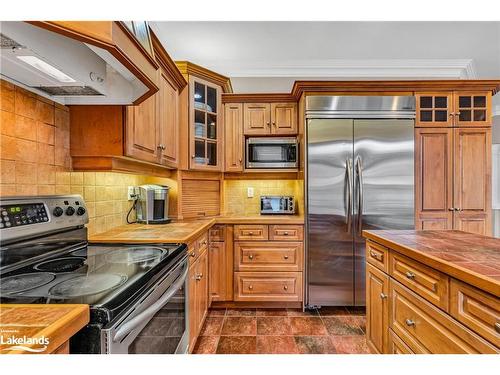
44, 328
432, 292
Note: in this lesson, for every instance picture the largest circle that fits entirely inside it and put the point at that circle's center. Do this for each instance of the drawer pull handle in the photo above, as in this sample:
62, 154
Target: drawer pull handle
285, 256
410, 322
204, 242
375, 255
497, 327
193, 254
250, 287
410, 275
250, 257
285, 287
383, 296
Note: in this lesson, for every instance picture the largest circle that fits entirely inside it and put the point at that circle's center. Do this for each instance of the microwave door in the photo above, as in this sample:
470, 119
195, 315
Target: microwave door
275, 153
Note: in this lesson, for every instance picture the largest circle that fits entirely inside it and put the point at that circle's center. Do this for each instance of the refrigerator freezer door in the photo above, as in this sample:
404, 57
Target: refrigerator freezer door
329, 199
383, 154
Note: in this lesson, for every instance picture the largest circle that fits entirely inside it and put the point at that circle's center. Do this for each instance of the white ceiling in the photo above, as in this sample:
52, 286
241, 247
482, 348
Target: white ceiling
270, 56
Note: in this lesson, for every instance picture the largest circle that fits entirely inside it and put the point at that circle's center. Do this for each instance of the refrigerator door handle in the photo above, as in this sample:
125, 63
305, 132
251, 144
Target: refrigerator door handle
359, 174
348, 216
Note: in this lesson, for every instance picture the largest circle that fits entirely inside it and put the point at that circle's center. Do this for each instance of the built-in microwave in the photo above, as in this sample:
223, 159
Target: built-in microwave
270, 152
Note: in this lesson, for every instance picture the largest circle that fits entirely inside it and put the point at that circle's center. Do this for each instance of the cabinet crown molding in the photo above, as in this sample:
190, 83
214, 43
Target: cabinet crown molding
189, 68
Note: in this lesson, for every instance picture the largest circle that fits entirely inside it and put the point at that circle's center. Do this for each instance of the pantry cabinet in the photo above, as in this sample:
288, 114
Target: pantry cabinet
453, 179
457, 108
261, 119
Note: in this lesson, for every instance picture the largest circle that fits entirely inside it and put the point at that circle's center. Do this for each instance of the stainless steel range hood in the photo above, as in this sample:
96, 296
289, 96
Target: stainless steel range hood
63, 69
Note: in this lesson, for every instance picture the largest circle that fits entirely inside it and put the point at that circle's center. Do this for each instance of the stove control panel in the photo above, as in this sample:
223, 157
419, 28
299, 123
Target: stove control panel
28, 216
13, 215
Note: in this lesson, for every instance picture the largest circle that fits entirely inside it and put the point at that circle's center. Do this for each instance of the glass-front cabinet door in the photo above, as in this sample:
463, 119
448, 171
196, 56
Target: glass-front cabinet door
473, 108
206, 131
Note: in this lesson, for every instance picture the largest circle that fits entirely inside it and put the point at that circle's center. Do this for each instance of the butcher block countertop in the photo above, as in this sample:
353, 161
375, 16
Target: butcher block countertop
471, 258
184, 230
55, 322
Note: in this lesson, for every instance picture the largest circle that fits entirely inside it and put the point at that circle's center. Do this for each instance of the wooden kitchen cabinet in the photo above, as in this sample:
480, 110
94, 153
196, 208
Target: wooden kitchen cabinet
453, 179
197, 296
233, 137
220, 259
168, 120
377, 309
456, 108
261, 119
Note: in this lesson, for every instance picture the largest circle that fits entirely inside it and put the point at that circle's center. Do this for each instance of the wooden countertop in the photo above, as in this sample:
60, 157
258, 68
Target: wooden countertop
184, 230
472, 258
56, 322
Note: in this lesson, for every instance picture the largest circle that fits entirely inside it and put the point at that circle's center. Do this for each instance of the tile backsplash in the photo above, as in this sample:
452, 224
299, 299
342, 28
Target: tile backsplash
237, 203
35, 160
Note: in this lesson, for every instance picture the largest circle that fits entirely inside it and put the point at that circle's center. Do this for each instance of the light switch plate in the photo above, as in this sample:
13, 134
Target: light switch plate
250, 192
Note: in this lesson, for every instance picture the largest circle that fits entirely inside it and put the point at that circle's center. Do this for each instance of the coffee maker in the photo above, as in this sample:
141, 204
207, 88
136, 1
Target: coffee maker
152, 204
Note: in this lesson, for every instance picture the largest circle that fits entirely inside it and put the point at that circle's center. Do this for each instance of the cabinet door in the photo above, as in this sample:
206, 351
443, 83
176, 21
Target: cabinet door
202, 288
217, 272
257, 119
205, 125
434, 178
193, 314
377, 308
473, 109
141, 131
434, 109
284, 118
233, 139
472, 195
168, 124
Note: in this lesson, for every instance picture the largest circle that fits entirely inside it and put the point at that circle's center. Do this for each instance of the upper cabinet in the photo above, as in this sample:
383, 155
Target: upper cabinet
270, 119
201, 118
457, 108
142, 138
233, 137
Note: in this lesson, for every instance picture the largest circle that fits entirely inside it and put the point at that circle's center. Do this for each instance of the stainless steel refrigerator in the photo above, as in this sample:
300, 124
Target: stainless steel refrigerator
359, 175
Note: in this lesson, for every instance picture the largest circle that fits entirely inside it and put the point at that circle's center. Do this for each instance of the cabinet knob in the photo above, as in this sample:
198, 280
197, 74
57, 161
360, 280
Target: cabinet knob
268, 124
383, 296
193, 254
250, 233
199, 276
240, 160
497, 327
410, 322
274, 124
161, 147
285, 233
250, 256
250, 287
285, 287
410, 275
285, 256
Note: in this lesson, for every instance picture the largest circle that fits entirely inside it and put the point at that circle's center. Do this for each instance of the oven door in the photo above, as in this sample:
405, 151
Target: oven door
271, 153
156, 323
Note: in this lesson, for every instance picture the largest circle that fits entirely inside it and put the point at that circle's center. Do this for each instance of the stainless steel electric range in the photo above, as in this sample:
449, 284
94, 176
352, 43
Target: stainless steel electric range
137, 293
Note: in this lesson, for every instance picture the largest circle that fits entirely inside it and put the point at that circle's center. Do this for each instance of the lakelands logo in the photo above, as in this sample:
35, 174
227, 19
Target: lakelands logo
29, 344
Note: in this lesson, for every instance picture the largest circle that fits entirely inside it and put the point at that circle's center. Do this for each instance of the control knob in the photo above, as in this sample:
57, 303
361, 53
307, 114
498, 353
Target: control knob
58, 211
70, 211
80, 211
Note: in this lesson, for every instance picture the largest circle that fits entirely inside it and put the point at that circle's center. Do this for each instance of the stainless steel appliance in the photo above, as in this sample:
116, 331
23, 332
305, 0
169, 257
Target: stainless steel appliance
152, 204
137, 293
360, 168
267, 152
277, 205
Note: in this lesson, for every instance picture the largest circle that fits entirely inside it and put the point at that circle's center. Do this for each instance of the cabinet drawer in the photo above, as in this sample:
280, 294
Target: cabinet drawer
425, 281
426, 329
268, 256
377, 255
193, 252
202, 242
286, 232
217, 233
251, 232
477, 310
268, 286
396, 345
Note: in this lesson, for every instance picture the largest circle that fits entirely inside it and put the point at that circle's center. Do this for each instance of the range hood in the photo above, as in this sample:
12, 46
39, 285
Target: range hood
64, 69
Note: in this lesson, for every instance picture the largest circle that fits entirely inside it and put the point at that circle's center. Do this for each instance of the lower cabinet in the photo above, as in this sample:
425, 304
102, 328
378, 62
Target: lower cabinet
403, 316
197, 294
220, 264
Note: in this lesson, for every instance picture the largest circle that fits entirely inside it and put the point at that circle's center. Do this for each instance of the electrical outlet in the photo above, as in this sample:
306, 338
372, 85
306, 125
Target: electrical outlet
131, 193
250, 192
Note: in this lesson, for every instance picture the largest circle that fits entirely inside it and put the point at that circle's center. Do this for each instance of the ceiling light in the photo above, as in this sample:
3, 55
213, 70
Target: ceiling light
46, 68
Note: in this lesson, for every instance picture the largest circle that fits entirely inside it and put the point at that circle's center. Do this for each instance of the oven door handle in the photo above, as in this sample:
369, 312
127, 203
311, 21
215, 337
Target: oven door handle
147, 314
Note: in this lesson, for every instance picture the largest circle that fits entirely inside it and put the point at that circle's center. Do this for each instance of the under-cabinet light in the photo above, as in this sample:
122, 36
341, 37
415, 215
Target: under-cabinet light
46, 68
